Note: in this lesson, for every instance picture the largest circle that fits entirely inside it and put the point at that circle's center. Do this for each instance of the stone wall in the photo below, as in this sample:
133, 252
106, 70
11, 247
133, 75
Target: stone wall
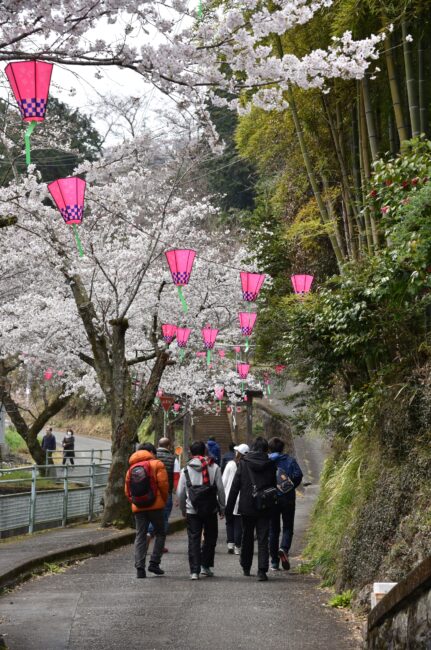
402, 619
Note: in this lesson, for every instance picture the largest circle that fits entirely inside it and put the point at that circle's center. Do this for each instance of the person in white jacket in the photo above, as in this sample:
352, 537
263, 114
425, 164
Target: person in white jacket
201, 496
233, 522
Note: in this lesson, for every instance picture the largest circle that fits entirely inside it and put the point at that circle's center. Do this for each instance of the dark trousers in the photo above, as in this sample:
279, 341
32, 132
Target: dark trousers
201, 556
143, 520
249, 525
285, 509
234, 529
166, 514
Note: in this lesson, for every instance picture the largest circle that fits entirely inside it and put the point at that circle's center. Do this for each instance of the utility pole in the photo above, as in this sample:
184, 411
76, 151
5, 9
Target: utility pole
250, 395
2, 430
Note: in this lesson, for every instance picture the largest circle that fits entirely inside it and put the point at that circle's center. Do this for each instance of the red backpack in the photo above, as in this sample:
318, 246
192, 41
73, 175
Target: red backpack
142, 485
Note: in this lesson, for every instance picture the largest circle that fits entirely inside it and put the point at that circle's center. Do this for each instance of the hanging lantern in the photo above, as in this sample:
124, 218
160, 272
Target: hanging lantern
251, 285
201, 354
183, 334
159, 393
176, 407
301, 284
243, 369
209, 335
238, 409
68, 194
169, 332
219, 393
180, 263
247, 320
279, 369
237, 349
228, 409
222, 353
30, 82
47, 375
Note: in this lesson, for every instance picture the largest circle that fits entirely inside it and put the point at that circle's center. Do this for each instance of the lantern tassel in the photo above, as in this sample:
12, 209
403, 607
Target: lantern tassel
78, 241
182, 353
246, 344
208, 357
27, 136
268, 390
242, 387
200, 9
182, 299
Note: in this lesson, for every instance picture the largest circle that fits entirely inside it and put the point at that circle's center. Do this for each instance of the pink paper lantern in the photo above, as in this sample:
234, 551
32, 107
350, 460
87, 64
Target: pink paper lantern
180, 263
209, 335
246, 322
251, 285
47, 375
169, 332
177, 407
183, 334
228, 409
238, 409
219, 392
237, 348
301, 283
222, 353
243, 369
279, 369
159, 393
30, 82
68, 194
201, 354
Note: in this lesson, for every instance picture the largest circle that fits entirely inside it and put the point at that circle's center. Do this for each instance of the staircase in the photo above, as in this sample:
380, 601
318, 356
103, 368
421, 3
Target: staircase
211, 424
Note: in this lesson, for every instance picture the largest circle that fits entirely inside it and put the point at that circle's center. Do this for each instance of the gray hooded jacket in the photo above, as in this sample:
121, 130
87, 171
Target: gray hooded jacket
194, 467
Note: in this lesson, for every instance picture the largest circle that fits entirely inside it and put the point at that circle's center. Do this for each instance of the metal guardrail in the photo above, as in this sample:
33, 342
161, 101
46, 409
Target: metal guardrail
92, 455
83, 486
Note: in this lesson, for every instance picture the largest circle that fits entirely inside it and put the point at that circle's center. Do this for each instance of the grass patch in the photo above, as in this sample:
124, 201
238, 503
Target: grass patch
53, 567
346, 483
14, 441
305, 568
341, 601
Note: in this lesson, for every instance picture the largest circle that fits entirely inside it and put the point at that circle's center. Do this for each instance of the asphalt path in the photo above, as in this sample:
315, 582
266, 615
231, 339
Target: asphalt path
100, 605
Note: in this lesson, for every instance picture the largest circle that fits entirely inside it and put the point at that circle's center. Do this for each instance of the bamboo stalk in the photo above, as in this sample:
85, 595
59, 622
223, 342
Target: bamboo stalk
395, 91
411, 82
364, 167
369, 118
423, 108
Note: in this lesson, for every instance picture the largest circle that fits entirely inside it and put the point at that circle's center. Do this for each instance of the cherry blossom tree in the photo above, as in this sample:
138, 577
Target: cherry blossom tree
98, 318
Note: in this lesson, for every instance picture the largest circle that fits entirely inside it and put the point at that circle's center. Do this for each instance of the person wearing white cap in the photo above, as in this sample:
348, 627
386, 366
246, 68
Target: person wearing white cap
233, 522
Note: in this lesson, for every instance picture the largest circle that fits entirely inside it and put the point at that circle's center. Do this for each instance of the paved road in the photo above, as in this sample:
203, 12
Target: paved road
100, 605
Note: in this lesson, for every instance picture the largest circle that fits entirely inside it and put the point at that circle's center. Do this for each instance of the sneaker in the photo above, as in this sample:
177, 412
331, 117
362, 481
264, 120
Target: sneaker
237, 550
165, 550
284, 557
230, 548
261, 576
194, 576
275, 567
206, 571
140, 573
154, 568
246, 572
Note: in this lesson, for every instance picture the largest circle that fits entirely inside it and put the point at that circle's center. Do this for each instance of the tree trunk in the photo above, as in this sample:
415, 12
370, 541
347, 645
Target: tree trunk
411, 82
365, 168
395, 92
126, 417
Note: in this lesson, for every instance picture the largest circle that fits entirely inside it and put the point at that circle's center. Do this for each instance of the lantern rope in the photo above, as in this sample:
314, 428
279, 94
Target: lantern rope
27, 136
78, 241
182, 299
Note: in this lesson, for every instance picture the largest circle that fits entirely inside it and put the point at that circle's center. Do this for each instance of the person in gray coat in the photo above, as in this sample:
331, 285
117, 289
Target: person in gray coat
201, 496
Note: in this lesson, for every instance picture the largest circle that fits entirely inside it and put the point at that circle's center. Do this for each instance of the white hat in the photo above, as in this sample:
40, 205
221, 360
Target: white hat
242, 449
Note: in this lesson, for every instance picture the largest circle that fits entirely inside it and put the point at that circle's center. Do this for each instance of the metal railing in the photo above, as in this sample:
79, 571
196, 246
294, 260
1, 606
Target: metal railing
92, 455
80, 490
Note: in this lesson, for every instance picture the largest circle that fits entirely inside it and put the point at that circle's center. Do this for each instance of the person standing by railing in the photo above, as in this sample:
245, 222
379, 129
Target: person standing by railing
49, 443
69, 447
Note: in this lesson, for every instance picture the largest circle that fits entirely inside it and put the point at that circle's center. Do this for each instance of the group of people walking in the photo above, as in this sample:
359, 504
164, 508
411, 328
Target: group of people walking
255, 494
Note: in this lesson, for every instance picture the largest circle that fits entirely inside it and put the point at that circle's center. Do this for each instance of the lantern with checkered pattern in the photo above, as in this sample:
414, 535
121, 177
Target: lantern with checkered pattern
169, 331
183, 334
68, 194
247, 320
180, 261
251, 285
209, 336
30, 82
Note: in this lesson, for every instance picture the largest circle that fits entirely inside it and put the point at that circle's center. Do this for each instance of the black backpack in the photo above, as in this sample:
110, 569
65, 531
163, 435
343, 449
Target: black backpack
202, 497
284, 483
264, 498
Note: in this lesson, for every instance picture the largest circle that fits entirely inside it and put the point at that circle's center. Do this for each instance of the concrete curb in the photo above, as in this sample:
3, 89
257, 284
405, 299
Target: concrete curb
26, 570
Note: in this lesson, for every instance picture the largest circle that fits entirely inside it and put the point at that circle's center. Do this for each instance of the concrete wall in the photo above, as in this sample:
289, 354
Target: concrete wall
402, 619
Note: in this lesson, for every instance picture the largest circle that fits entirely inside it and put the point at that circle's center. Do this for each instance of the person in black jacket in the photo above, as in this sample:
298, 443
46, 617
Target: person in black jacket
254, 469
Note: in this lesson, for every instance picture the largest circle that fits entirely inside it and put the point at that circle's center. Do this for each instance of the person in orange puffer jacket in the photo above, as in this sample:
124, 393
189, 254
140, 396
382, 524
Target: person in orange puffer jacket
153, 512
